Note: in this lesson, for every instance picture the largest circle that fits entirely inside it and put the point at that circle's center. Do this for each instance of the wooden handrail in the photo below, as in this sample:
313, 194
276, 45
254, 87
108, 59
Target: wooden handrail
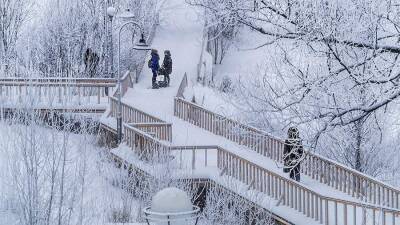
145, 146
182, 87
317, 167
55, 84
54, 92
126, 83
57, 80
162, 131
131, 114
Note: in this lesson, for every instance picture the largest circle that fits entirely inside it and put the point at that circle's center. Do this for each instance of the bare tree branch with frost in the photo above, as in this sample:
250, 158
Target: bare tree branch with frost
13, 15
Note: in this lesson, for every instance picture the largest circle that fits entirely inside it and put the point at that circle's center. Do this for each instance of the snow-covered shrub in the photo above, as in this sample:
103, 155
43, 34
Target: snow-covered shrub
226, 85
225, 208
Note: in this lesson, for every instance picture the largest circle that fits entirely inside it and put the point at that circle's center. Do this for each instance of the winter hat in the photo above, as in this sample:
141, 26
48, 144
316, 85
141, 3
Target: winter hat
167, 52
154, 51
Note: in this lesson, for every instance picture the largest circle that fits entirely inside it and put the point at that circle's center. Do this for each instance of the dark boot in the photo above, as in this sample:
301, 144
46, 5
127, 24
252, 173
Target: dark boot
154, 79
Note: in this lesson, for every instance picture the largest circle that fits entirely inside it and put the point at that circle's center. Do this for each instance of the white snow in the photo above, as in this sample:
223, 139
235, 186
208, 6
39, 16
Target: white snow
161, 202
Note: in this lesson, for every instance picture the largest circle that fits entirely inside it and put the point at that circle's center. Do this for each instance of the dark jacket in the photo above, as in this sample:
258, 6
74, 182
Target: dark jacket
167, 64
91, 60
292, 154
155, 59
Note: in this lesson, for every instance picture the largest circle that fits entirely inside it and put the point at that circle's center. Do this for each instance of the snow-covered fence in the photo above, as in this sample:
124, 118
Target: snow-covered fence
194, 157
245, 135
130, 114
54, 91
285, 192
182, 87
326, 210
145, 146
162, 131
126, 82
326, 171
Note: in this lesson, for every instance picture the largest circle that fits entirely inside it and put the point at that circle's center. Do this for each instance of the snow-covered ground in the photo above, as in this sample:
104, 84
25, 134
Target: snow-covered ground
244, 60
88, 189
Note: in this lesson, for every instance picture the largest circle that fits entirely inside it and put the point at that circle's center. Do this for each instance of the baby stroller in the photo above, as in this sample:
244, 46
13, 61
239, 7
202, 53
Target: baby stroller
162, 79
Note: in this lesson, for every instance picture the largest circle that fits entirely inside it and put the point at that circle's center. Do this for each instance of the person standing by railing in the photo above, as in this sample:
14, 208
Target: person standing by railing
293, 154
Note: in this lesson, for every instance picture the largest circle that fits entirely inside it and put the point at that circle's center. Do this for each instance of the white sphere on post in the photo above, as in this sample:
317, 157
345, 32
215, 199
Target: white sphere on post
172, 206
111, 11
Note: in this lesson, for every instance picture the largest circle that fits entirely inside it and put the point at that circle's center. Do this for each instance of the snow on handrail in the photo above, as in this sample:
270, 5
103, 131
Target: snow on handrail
182, 87
131, 114
58, 79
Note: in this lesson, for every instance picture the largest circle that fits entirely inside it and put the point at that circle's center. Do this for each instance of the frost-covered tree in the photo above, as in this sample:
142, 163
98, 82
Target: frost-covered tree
53, 175
13, 14
73, 38
221, 27
224, 207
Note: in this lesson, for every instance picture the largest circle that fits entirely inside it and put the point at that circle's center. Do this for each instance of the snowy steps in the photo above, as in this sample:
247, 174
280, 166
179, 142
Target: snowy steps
277, 192
204, 154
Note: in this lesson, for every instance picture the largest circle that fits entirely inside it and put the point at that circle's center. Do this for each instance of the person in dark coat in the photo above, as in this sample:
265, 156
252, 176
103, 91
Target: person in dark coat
154, 64
91, 60
293, 154
167, 65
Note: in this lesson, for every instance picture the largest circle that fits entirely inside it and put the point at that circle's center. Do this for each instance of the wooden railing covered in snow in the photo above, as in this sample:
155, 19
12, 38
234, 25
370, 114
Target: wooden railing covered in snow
142, 121
326, 210
182, 86
162, 131
317, 167
55, 91
126, 82
130, 114
144, 145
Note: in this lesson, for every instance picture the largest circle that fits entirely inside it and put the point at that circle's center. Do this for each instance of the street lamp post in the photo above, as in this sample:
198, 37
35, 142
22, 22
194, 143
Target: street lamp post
141, 45
111, 12
119, 115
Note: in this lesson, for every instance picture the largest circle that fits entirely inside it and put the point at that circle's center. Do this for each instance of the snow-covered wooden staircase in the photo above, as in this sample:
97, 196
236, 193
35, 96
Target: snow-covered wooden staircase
244, 160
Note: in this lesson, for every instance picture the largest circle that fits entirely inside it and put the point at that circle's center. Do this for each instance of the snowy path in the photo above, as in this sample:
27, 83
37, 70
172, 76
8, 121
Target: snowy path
180, 32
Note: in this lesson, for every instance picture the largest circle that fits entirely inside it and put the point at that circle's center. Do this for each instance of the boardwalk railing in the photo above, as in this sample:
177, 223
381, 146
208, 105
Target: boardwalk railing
142, 121
145, 146
126, 82
182, 87
252, 138
162, 131
130, 114
326, 210
319, 168
55, 91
